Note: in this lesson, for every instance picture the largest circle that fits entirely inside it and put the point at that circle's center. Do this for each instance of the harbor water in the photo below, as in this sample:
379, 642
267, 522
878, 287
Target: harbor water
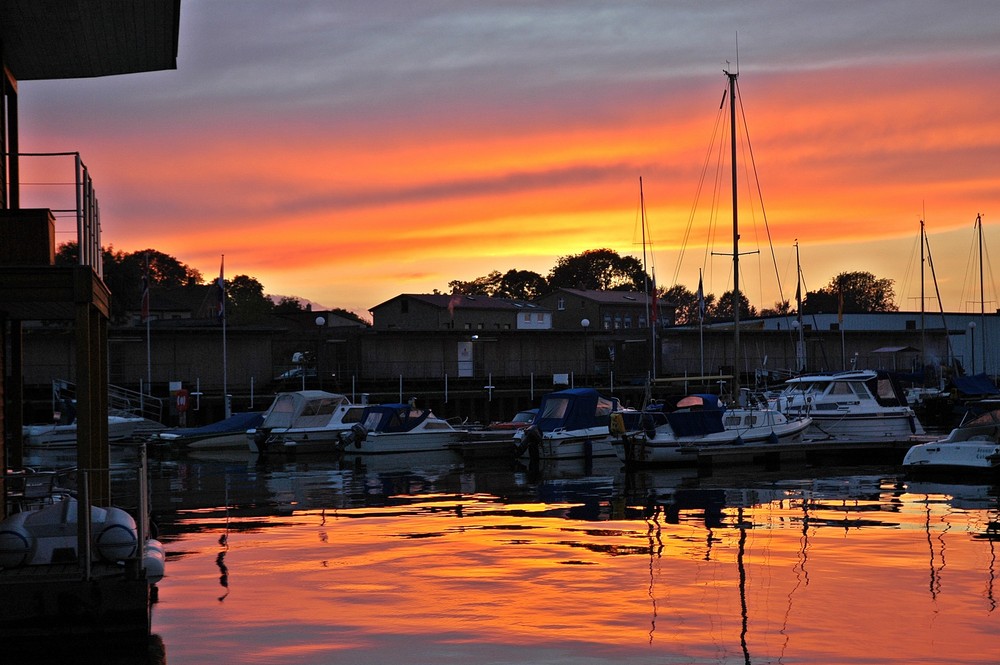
424, 560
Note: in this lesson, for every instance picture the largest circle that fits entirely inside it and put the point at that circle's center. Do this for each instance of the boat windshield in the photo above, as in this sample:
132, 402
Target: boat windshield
555, 408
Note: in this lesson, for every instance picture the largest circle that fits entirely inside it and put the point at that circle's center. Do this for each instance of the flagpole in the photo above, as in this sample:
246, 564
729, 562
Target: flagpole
145, 306
701, 322
222, 312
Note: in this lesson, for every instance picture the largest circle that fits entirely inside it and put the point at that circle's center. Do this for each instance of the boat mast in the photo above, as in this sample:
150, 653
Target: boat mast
800, 348
923, 336
736, 239
982, 296
651, 318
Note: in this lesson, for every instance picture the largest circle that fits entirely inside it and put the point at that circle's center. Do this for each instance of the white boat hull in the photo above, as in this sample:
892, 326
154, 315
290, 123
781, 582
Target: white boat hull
667, 450
379, 443
863, 427
977, 456
119, 429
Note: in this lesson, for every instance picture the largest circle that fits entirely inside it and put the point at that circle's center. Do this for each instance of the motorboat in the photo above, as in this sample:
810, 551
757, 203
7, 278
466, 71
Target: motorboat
971, 447
401, 428
230, 433
701, 421
121, 426
858, 405
305, 421
572, 423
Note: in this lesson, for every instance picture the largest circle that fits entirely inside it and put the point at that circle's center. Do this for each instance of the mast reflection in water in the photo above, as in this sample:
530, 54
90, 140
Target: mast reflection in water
423, 561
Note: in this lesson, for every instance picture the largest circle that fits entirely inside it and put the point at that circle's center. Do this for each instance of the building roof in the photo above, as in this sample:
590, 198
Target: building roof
458, 301
611, 297
81, 38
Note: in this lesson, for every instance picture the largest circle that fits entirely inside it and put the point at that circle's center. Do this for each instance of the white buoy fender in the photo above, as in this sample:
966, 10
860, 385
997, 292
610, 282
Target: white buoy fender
16, 543
154, 560
116, 539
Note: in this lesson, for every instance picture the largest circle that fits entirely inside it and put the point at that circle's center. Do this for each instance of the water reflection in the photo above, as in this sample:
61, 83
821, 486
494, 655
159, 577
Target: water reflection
425, 560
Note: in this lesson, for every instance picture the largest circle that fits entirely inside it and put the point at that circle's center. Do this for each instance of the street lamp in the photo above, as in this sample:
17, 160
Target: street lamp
972, 344
320, 322
585, 323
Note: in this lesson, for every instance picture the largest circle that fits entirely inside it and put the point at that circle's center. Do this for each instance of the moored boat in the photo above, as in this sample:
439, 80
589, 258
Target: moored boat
858, 405
305, 421
972, 448
701, 421
571, 423
230, 433
401, 428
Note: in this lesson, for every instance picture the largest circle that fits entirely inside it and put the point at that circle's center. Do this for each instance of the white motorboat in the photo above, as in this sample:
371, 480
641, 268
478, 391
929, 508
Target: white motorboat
401, 428
702, 421
974, 447
305, 421
571, 423
859, 405
121, 426
230, 433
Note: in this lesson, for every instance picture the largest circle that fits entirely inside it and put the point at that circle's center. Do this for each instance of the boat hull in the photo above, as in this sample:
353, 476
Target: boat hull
638, 449
957, 456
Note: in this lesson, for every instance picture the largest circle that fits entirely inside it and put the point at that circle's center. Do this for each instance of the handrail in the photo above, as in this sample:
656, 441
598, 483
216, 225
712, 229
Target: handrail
86, 210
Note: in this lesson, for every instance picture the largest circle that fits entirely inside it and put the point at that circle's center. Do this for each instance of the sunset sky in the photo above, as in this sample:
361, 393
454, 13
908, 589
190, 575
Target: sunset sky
346, 152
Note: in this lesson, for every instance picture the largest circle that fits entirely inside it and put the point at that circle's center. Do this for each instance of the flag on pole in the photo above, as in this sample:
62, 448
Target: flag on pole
145, 291
221, 283
701, 299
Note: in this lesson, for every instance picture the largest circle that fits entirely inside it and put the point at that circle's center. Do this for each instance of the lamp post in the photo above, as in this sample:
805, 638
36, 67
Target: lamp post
972, 347
585, 323
320, 322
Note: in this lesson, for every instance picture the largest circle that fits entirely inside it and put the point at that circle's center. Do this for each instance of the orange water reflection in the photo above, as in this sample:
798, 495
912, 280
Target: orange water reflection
861, 569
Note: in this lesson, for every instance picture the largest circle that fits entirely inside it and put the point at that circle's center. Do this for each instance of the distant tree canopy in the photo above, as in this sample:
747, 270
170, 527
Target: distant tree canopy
596, 269
852, 292
123, 272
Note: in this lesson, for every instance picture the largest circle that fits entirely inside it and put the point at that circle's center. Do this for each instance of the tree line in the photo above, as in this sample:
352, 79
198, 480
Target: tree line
606, 270
246, 301
595, 269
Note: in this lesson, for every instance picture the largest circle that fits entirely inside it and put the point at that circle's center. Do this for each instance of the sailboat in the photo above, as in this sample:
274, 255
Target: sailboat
655, 437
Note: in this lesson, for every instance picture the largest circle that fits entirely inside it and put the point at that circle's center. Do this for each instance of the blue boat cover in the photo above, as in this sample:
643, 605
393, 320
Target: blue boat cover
699, 416
574, 409
978, 384
239, 422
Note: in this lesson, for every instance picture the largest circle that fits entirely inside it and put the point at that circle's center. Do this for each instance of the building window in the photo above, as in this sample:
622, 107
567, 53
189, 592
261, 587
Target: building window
642, 320
911, 325
618, 321
540, 318
607, 322
527, 317
628, 320
561, 304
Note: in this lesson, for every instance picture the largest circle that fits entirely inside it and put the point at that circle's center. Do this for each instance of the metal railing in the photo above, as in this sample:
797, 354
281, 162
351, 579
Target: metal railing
81, 203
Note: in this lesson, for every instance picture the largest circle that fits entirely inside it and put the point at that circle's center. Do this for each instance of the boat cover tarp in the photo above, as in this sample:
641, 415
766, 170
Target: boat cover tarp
703, 418
574, 409
977, 384
239, 422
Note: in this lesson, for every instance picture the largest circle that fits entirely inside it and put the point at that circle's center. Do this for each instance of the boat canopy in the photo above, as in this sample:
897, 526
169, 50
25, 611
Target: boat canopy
392, 417
573, 409
697, 415
303, 408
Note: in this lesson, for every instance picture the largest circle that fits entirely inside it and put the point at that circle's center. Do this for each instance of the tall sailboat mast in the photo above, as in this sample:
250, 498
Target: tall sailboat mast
651, 315
800, 343
736, 239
